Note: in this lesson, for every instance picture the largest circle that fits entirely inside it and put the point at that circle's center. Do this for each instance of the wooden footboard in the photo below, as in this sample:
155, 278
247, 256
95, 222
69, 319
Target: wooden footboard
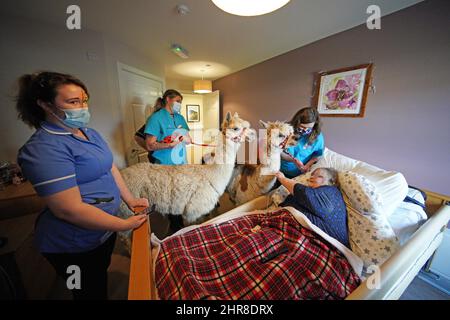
396, 273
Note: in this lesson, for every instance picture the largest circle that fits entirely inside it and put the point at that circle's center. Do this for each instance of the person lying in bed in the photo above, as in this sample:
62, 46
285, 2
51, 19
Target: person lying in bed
321, 202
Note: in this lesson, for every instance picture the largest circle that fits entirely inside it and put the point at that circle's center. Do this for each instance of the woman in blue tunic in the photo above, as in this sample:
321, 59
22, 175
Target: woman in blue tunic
166, 131
310, 147
71, 167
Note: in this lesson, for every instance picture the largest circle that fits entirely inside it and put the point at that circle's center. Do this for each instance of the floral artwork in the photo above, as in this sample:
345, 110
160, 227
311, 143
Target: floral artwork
343, 92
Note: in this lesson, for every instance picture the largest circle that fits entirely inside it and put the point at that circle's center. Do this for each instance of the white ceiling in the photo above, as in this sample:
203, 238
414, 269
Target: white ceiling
228, 43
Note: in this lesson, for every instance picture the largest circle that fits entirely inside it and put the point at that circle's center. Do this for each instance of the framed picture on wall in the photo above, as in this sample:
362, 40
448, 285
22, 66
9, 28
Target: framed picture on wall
193, 112
343, 92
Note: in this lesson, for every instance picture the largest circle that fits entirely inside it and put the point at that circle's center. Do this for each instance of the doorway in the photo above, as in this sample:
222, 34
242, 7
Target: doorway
203, 127
138, 93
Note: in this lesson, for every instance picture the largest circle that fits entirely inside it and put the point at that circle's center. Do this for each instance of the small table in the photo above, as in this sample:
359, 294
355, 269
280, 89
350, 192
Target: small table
31, 275
19, 200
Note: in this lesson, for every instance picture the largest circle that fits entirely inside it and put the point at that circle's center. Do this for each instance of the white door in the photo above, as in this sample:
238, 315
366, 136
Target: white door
138, 91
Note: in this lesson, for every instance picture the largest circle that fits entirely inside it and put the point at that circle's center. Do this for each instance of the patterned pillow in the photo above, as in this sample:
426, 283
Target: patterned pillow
361, 193
281, 193
371, 236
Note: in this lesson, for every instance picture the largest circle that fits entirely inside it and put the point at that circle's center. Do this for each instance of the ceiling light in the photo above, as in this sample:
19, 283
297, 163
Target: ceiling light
202, 86
249, 7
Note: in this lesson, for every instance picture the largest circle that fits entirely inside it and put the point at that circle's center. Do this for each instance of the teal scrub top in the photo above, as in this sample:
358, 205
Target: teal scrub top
162, 124
303, 152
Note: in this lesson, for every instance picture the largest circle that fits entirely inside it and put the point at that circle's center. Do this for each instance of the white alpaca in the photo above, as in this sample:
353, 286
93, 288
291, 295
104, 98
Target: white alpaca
251, 181
188, 190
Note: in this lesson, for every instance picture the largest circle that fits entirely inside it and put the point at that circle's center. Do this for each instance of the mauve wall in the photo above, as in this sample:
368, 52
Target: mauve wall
406, 125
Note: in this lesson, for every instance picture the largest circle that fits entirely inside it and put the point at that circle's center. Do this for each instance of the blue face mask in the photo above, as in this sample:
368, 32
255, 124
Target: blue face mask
76, 118
303, 131
176, 107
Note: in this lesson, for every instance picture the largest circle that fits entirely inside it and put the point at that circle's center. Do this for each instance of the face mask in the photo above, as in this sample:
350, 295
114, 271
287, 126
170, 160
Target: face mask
303, 131
76, 118
176, 107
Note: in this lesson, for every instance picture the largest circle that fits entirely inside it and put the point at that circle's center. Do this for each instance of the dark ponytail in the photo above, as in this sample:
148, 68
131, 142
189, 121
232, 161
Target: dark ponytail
40, 86
161, 101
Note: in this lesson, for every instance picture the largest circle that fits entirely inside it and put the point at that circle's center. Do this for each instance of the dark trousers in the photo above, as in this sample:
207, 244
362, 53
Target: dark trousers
93, 266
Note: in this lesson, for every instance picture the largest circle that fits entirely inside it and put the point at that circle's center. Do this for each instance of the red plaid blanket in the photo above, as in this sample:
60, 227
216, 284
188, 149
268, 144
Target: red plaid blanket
260, 256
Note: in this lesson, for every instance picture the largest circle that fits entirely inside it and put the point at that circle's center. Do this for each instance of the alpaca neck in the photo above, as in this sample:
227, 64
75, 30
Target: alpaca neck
227, 153
272, 161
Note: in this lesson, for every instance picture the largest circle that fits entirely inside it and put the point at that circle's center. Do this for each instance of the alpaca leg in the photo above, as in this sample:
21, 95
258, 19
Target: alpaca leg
176, 222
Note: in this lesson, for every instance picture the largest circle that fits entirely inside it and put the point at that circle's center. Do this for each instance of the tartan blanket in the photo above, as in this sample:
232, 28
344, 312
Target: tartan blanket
261, 256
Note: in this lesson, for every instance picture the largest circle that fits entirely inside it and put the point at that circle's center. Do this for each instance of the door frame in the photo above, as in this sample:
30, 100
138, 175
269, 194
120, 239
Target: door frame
122, 95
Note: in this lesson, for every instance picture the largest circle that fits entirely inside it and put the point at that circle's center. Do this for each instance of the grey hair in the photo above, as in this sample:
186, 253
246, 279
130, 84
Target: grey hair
333, 178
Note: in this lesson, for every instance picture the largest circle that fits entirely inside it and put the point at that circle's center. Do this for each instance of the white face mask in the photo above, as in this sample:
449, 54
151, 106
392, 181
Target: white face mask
176, 107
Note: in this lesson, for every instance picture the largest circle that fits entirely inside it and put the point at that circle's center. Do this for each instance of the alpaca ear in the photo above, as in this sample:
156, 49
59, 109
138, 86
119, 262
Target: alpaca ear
228, 117
265, 125
236, 115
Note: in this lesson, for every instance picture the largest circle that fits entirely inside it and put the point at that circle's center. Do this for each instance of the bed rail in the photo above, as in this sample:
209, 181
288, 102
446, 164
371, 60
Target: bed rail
399, 270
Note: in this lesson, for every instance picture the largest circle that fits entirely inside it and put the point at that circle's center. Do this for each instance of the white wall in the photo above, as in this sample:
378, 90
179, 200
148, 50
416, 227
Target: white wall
28, 46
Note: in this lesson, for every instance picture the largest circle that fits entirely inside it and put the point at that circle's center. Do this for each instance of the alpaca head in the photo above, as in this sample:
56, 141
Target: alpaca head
236, 129
280, 135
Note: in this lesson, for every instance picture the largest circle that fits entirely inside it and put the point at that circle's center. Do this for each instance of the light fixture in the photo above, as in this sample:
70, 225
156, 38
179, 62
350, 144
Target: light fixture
249, 7
179, 51
202, 86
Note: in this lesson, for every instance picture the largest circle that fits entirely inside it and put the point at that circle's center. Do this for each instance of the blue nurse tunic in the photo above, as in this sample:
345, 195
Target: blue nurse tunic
304, 152
54, 160
162, 124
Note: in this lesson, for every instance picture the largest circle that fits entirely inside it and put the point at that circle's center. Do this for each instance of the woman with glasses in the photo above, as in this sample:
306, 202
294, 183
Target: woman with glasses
71, 168
299, 159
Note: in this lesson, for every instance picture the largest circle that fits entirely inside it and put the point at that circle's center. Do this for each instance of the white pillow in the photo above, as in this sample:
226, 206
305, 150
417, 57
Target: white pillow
391, 186
371, 236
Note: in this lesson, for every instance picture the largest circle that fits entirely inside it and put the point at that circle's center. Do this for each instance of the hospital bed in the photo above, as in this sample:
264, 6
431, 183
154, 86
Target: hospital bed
396, 273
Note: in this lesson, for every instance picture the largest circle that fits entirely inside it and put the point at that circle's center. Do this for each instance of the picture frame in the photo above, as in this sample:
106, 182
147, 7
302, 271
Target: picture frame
343, 92
193, 113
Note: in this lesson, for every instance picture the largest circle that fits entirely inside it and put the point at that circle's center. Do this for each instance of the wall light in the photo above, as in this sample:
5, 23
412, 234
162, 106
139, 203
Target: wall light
249, 7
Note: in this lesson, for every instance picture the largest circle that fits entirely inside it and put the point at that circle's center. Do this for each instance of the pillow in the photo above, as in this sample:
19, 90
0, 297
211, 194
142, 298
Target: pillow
391, 186
281, 193
361, 193
371, 236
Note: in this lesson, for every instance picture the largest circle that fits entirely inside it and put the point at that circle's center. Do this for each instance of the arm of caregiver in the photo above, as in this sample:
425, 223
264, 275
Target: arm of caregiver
126, 195
153, 145
297, 162
67, 205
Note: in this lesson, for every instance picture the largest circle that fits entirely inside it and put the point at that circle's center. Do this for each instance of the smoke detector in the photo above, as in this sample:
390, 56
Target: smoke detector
182, 9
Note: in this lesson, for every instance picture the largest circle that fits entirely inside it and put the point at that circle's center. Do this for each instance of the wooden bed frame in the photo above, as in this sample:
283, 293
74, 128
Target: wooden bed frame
396, 273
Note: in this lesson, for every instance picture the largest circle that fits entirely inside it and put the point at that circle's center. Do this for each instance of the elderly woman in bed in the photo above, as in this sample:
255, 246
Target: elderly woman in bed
321, 202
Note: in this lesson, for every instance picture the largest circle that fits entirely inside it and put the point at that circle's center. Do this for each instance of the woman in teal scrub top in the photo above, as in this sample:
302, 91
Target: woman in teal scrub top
167, 132
310, 147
